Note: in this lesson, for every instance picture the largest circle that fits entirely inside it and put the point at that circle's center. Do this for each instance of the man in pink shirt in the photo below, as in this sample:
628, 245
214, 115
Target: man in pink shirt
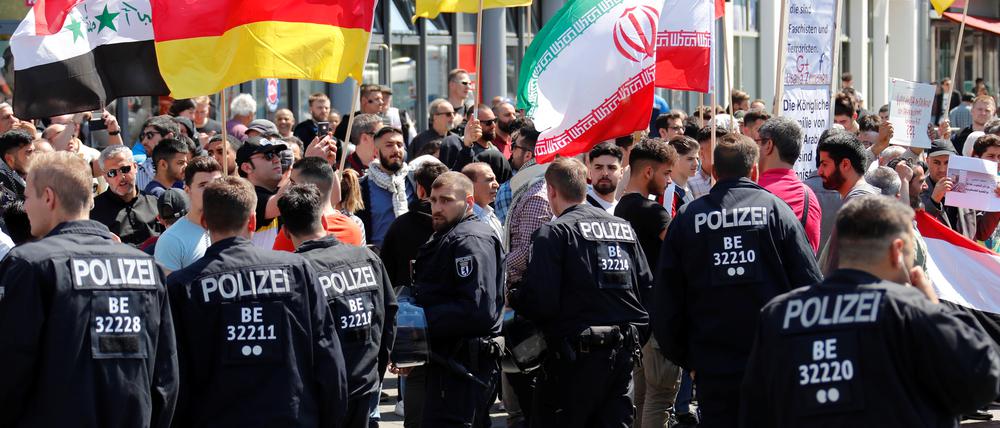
780, 141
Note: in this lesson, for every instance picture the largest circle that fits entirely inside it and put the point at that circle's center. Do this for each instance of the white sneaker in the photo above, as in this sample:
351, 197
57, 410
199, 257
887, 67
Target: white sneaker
399, 408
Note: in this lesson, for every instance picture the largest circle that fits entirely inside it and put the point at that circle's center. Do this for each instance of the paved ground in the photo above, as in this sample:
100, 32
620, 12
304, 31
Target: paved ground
390, 419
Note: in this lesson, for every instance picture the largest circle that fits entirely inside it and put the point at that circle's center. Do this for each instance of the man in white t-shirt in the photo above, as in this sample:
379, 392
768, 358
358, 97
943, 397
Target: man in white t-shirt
185, 241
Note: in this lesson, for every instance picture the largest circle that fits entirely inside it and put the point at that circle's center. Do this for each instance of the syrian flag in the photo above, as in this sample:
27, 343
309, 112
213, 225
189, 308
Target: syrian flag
685, 44
588, 75
965, 274
103, 50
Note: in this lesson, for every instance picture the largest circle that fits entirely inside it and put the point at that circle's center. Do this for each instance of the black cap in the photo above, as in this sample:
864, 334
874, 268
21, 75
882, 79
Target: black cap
257, 144
172, 204
941, 147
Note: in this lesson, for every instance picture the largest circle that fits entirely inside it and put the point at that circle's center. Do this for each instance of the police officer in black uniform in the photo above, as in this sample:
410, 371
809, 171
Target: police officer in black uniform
256, 340
863, 348
457, 280
86, 337
725, 256
582, 288
356, 286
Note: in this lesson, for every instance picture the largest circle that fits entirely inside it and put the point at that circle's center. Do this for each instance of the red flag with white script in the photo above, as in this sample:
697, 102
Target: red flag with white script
685, 44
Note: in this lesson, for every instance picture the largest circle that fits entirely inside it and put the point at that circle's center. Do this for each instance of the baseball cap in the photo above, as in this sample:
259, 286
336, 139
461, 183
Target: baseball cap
264, 126
941, 147
172, 204
257, 144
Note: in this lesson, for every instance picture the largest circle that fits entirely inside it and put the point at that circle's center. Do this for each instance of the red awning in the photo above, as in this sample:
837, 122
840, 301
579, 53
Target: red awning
991, 25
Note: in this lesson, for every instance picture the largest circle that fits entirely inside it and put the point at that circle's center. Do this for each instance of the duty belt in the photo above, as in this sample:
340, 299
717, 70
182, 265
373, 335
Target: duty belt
598, 337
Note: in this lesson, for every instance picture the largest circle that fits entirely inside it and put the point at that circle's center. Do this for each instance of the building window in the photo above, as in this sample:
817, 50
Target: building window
745, 16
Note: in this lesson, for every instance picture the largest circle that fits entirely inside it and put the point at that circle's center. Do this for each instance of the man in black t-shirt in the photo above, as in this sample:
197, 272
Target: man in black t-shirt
259, 162
651, 162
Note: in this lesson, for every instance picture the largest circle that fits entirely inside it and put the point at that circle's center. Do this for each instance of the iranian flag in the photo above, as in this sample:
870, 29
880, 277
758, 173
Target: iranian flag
102, 50
588, 75
685, 44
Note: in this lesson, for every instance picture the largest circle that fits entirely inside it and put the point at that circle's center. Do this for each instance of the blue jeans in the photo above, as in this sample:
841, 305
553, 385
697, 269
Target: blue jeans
684, 394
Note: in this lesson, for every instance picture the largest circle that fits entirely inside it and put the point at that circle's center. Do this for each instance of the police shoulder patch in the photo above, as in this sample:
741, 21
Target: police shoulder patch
463, 266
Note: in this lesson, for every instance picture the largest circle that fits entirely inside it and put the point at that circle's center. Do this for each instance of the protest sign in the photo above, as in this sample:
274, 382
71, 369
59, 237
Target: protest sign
974, 183
809, 51
810, 107
910, 113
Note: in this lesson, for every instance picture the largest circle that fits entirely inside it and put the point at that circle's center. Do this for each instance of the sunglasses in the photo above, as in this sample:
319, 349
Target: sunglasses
465, 82
123, 170
447, 113
149, 135
269, 156
374, 101
490, 122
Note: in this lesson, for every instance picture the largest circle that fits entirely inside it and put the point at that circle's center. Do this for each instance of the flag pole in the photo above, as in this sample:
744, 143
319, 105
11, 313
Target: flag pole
356, 97
225, 133
479, 58
946, 98
779, 72
728, 77
711, 151
701, 112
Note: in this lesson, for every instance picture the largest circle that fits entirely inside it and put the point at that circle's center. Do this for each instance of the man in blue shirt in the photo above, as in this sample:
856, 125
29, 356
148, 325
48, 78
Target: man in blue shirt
385, 189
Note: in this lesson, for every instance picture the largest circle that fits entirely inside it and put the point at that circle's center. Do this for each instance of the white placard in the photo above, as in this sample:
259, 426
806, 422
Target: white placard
809, 51
974, 183
910, 113
810, 107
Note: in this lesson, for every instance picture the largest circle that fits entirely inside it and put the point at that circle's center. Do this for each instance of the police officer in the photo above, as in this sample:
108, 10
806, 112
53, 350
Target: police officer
725, 256
256, 340
86, 337
582, 288
863, 348
456, 280
357, 288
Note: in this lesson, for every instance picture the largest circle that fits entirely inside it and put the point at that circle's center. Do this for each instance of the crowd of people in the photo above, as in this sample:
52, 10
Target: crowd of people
242, 271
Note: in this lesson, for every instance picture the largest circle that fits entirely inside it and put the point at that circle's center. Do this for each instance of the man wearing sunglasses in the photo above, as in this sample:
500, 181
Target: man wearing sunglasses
459, 88
457, 152
442, 116
371, 103
127, 212
153, 131
259, 161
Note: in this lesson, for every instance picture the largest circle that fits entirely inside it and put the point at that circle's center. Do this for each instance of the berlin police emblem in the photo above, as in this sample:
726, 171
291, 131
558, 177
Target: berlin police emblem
463, 266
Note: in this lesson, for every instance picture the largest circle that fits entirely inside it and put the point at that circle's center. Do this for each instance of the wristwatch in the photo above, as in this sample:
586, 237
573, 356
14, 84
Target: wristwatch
114, 132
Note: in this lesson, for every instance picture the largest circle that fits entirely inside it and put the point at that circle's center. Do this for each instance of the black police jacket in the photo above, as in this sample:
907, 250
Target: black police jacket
86, 337
724, 257
457, 280
858, 351
586, 269
256, 341
359, 293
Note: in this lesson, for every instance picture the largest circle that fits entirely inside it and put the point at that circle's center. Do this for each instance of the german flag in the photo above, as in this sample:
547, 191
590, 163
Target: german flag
203, 46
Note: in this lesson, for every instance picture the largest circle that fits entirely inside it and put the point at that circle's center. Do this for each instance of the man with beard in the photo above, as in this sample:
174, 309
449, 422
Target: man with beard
122, 208
522, 156
842, 164
223, 149
652, 161
970, 223
259, 161
457, 280
442, 119
604, 172
457, 152
170, 156
505, 114
385, 189
319, 110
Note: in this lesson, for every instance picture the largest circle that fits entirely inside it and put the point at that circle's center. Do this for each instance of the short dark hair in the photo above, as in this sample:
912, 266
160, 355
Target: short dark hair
884, 109
846, 76
606, 149
569, 177
200, 164
754, 115
652, 150
844, 145
291, 139
869, 123
663, 120
455, 72
386, 130
984, 143
180, 105
17, 222
968, 97
867, 224
227, 204
430, 148
625, 142
705, 134
529, 134
734, 156
13, 140
786, 134
683, 145
316, 171
843, 105
300, 208
427, 173
234, 143
167, 148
